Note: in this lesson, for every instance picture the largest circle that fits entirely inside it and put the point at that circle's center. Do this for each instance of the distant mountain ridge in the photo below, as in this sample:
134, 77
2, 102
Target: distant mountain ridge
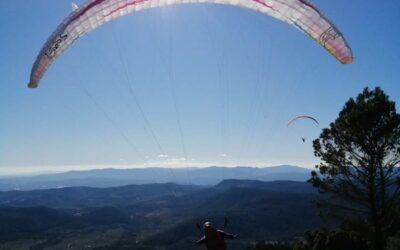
276, 186
110, 177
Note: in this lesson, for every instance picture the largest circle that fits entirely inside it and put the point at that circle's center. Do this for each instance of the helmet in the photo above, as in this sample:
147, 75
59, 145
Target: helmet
207, 224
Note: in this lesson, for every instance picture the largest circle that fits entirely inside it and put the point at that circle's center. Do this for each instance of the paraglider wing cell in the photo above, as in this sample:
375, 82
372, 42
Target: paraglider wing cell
299, 13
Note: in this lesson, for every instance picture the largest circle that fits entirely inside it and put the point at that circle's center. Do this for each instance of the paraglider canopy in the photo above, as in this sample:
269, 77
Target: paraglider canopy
298, 13
296, 118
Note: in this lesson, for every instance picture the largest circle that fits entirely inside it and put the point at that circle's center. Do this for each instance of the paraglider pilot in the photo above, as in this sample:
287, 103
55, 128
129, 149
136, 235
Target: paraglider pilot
214, 239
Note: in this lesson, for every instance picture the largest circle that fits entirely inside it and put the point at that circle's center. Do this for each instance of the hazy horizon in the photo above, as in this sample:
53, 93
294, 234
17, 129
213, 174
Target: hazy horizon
35, 171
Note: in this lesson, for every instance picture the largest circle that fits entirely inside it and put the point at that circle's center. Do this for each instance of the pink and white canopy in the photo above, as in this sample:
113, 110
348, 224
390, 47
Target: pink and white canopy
299, 13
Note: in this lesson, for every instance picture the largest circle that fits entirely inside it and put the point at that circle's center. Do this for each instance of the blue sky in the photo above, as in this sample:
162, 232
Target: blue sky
216, 85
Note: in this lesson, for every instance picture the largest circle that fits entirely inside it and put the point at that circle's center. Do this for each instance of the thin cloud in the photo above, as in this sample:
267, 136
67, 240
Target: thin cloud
162, 156
182, 159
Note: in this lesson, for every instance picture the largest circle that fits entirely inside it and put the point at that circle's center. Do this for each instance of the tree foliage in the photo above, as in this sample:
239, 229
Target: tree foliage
360, 154
334, 240
262, 245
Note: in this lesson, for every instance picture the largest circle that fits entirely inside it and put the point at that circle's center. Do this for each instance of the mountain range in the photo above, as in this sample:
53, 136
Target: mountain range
110, 177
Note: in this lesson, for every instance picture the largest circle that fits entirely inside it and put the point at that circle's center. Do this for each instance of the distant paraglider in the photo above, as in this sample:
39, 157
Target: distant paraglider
92, 14
296, 118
